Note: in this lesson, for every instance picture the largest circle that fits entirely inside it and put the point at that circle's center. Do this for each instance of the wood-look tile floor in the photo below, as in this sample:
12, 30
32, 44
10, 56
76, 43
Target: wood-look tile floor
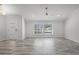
39, 46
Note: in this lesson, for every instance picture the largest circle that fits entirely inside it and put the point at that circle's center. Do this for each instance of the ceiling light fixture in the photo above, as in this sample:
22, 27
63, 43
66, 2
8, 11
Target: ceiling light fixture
46, 11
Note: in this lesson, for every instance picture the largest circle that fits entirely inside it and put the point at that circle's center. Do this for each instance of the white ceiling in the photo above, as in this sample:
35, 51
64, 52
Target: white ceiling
37, 11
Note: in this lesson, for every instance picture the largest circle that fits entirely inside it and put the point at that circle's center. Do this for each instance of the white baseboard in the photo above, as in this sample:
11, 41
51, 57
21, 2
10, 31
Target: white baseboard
43, 36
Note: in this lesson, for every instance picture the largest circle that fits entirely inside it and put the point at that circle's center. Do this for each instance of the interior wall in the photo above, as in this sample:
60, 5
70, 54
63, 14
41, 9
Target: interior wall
72, 26
2, 28
57, 26
23, 28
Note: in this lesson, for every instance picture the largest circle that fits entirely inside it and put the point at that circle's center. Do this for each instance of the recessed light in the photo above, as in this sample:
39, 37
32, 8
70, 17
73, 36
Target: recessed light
58, 15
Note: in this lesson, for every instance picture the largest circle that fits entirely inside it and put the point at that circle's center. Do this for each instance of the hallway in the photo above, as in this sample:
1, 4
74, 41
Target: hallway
39, 46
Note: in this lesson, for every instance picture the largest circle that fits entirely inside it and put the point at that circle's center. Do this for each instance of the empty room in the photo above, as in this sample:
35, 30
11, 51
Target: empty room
39, 29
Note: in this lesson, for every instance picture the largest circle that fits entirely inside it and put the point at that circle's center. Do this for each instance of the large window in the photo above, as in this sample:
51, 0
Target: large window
43, 28
38, 28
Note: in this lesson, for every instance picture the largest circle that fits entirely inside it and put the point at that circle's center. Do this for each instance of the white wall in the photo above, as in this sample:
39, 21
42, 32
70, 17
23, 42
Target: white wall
23, 28
58, 28
2, 28
72, 27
